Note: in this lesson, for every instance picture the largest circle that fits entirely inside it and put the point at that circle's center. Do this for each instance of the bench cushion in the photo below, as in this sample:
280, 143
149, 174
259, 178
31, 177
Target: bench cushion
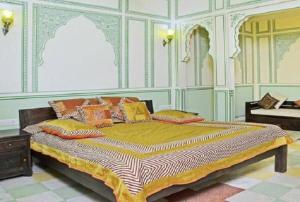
277, 112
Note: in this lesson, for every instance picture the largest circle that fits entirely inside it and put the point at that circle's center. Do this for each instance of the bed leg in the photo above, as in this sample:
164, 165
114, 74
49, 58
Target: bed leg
281, 159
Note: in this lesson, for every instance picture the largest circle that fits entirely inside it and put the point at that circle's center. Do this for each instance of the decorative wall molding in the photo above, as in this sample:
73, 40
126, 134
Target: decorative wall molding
277, 43
243, 93
87, 5
221, 105
289, 90
148, 14
25, 48
24, 42
236, 20
127, 49
177, 16
268, 37
48, 19
266, 31
244, 3
152, 68
201, 48
216, 4
187, 32
83, 93
231, 95
178, 99
184, 97
283, 43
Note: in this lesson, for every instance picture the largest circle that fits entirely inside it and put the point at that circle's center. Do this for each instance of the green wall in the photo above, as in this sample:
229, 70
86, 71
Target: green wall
242, 94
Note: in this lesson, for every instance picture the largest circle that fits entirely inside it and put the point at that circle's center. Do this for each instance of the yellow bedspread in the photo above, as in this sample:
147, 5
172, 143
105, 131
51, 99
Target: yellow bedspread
137, 160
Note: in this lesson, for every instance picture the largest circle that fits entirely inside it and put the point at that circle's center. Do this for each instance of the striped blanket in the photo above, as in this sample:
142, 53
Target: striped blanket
138, 160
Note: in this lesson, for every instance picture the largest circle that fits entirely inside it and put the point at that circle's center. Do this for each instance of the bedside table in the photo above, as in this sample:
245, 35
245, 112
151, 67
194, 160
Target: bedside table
15, 155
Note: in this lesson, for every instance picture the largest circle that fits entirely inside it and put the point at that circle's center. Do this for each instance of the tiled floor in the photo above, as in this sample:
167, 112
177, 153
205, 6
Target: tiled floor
255, 183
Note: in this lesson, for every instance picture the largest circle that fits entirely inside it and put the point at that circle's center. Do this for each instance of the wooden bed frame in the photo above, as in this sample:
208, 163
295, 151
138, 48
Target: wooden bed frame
33, 116
286, 123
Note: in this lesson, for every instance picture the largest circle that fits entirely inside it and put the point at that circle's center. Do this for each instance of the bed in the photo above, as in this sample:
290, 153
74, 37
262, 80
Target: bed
138, 171
287, 116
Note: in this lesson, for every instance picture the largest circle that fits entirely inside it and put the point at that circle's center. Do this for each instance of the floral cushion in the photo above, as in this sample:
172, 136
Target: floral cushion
96, 115
70, 129
175, 116
114, 104
66, 109
135, 112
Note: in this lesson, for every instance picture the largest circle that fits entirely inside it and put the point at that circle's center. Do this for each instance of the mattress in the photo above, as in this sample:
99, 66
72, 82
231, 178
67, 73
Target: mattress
277, 112
138, 160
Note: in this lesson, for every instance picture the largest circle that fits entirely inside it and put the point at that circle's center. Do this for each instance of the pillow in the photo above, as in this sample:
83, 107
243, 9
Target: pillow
135, 112
116, 113
70, 129
95, 115
281, 99
33, 129
267, 102
297, 102
66, 109
93, 101
175, 116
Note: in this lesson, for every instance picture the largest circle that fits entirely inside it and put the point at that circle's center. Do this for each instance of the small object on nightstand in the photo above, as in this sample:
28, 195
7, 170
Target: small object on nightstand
15, 155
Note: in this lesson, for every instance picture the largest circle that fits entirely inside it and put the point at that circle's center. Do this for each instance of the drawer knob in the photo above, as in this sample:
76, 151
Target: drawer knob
9, 144
25, 159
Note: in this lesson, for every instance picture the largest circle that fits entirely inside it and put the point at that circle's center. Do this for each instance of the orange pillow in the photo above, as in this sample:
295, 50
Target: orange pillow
70, 129
93, 101
297, 102
96, 115
116, 112
66, 109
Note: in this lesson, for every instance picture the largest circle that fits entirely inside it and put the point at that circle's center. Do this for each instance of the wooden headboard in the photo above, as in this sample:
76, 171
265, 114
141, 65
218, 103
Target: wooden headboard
37, 115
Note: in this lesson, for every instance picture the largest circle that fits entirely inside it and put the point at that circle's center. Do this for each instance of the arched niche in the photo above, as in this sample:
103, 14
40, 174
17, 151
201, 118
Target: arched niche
187, 33
237, 19
200, 67
274, 29
80, 56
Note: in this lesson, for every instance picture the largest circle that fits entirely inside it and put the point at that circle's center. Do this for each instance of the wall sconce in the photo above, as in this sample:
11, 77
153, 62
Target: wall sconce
169, 38
7, 20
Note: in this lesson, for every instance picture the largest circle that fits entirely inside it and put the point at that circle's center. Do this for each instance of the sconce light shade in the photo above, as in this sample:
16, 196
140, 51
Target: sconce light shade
171, 33
7, 20
169, 38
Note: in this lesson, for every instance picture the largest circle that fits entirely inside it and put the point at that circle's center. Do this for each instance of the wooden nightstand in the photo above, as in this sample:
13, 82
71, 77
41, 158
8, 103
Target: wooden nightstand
15, 158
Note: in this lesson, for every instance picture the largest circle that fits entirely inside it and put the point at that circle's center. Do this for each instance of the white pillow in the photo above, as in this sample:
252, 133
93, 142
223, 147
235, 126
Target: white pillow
281, 99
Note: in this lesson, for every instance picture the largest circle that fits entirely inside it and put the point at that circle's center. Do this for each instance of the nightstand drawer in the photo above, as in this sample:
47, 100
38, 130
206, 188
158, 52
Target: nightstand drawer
13, 163
15, 155
12, 145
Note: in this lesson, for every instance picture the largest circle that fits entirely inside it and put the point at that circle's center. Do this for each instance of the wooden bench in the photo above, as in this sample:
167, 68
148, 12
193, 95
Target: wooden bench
285, 122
